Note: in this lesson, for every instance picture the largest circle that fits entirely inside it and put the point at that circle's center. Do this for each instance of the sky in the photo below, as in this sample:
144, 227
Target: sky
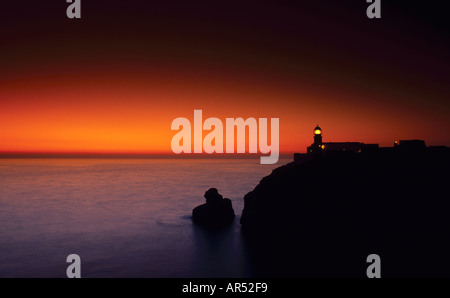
113, 81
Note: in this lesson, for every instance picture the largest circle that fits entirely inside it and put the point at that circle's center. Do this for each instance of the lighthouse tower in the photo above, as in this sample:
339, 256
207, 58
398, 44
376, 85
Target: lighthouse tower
317, 146
318, 136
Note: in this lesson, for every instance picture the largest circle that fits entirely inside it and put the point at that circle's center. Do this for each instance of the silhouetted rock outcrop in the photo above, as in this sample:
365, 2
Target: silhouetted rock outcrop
215, 213
324, 217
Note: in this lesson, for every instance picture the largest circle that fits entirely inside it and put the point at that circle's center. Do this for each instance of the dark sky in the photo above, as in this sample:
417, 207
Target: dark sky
306, 62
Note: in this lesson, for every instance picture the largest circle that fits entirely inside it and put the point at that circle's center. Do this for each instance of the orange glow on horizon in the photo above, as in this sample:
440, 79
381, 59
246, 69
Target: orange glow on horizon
114, 82
133, 115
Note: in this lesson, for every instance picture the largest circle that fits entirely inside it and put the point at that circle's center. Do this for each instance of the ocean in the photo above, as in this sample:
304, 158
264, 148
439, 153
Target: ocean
123, 217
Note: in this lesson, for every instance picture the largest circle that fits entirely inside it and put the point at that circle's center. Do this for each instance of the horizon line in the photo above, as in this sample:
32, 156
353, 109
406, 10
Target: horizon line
106, 155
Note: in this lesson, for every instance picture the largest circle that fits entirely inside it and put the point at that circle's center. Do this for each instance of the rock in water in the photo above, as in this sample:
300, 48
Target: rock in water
216, 212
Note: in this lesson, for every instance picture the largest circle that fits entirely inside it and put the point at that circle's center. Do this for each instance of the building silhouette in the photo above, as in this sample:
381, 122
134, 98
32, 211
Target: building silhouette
320, 149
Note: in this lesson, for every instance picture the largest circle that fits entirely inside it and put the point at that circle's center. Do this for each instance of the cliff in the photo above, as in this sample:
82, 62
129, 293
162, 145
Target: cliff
324, 217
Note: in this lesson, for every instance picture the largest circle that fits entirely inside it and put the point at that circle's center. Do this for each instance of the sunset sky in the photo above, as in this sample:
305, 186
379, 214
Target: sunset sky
113, 81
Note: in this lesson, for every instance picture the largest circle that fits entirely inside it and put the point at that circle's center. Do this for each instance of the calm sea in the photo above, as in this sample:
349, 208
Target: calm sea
123, 217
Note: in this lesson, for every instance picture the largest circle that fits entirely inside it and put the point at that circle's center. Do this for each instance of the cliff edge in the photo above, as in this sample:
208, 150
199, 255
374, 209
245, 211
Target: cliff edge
323, 217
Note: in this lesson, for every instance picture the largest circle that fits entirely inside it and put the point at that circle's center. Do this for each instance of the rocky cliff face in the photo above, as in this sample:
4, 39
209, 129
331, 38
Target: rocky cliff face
324, 217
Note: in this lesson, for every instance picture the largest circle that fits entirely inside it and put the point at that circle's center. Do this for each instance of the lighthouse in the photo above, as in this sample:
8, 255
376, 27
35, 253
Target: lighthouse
318, 136
317, 146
